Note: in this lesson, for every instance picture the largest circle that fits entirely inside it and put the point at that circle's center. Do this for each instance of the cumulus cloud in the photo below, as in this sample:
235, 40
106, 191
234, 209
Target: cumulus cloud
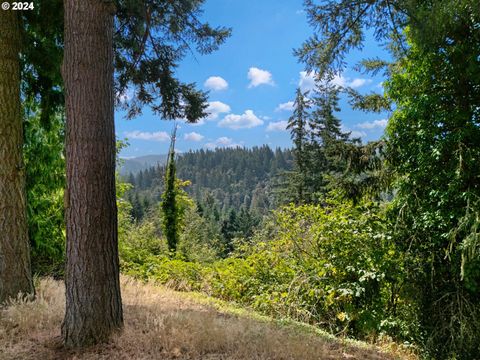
222, 142
151, 136
259, 77
376, 124
277, 126
216, 83
193, 136
288, 106
307, 81
215, 108
245, 121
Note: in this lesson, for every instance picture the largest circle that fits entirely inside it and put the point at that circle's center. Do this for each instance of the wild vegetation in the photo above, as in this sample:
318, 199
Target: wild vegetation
375, 241
161, 323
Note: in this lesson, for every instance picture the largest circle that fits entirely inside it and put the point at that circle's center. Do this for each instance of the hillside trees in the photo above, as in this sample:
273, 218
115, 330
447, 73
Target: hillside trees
437, 207
319, 143
15, 271
431, 148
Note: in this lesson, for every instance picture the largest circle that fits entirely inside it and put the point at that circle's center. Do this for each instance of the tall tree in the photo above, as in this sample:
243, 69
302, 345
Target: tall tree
150, 38
297, 124
327, 140
93, 302
15, 271
169, 201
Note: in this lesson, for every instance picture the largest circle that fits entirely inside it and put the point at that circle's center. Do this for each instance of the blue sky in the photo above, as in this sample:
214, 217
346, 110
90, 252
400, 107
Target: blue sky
252, 80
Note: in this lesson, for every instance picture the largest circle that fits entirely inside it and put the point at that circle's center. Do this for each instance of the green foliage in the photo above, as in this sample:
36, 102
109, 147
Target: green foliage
170, 208
150, 40
45, 173
321, 147
434, 147
332, 266
297, 124
224, 178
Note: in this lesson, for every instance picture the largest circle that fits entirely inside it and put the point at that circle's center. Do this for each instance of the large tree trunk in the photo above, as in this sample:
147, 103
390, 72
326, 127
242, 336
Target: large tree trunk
15, 272
93, 302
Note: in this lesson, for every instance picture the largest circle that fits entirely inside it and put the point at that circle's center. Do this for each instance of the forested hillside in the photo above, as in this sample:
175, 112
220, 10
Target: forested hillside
231, 178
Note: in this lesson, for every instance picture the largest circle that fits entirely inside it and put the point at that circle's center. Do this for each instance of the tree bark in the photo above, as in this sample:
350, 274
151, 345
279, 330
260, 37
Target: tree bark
93, 301
15, 271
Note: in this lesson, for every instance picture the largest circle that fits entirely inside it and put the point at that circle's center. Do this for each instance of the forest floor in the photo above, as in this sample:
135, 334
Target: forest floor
164, 324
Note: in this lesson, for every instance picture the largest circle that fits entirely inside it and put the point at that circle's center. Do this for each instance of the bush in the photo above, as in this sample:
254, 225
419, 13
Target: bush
333, 265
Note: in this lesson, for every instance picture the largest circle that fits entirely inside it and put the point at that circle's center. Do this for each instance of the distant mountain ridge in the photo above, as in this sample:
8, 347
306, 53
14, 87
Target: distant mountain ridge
137, 164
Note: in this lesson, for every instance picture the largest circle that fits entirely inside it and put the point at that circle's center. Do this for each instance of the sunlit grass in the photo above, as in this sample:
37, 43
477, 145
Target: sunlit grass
162, 323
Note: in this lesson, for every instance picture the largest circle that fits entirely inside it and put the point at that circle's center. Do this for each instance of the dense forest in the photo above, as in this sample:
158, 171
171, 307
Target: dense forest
233, 178
375, 241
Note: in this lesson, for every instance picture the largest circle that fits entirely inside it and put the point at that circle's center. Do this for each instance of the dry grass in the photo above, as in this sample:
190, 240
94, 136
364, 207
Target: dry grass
163, 324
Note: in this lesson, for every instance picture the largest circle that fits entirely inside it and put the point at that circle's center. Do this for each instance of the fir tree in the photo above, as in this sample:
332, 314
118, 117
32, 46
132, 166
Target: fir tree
327, 140
297, 124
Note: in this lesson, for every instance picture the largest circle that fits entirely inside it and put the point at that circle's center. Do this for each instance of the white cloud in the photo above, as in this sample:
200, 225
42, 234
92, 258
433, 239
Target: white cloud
216, 83
245, 121
215, 108
307, 81
357, 134
193, 136
288, 106
222, 142
259, 77
369, 125
353, 133
277, 126
343, 81
151, 136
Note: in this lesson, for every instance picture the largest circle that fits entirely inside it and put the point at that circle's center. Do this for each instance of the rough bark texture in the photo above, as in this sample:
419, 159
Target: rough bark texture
15, 272
93, 301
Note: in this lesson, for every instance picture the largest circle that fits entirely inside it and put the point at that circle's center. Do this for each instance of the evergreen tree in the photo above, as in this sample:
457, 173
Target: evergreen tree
169, 201
327, 140
297, 124
229, 231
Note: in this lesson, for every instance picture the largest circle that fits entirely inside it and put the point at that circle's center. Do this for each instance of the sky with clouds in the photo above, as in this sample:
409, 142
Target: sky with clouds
251, 82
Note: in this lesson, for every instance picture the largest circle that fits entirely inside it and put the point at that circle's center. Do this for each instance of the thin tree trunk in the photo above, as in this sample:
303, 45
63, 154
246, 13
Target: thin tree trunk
93, 301
15, 271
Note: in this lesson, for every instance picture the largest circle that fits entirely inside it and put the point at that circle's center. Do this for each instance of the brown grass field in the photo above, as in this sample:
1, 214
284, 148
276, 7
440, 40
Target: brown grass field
164, 324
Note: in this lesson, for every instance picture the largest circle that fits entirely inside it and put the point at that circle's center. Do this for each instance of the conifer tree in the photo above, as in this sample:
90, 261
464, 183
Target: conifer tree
169, 203
297, 124
327, 140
